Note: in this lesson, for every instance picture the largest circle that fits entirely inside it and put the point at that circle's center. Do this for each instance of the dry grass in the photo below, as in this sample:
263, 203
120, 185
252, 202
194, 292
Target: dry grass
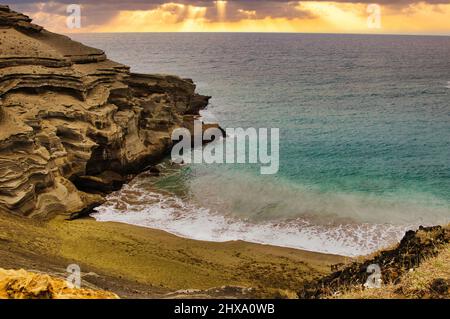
414, 284
418, 282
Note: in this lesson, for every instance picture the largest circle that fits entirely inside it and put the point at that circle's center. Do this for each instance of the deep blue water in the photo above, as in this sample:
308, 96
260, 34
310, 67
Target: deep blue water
364, 121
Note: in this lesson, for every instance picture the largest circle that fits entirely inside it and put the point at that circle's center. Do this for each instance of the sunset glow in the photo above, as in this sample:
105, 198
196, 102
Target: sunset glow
235, 16
221, 10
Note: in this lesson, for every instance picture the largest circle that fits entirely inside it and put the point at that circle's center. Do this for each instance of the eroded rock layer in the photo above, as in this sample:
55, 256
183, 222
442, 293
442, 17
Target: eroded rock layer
21, 284
71, 120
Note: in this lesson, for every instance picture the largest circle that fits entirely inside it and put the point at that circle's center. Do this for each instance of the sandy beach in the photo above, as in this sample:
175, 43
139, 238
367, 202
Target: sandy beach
140, 262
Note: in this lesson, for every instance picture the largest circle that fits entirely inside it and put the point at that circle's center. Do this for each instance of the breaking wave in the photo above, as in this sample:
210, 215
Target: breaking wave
136, 204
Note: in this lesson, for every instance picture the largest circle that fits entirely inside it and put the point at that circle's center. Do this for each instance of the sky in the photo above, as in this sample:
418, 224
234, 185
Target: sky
339, 16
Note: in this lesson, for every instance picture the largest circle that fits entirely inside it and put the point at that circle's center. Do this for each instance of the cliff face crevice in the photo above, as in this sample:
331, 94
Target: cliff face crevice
71, 119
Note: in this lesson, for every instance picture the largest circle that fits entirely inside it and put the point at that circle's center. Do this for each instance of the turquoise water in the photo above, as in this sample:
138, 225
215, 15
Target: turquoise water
364, 124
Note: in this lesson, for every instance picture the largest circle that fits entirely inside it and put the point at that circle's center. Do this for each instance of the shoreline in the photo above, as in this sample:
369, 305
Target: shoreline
312, 250
142, 203
228, 241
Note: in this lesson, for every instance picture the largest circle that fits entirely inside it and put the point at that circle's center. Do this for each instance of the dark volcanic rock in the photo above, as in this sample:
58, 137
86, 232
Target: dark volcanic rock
415, 247
440, 287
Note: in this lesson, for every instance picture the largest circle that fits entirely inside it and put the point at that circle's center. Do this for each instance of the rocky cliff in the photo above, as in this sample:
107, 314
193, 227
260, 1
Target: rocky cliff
72, 121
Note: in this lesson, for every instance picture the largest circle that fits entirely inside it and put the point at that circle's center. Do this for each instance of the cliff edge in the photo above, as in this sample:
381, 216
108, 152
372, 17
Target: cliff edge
72, 121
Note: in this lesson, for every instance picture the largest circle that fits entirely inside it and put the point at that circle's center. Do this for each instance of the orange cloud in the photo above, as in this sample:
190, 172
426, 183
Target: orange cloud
326, 17
221, 10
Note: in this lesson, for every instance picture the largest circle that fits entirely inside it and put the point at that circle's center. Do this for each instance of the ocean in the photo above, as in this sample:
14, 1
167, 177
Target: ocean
364, 138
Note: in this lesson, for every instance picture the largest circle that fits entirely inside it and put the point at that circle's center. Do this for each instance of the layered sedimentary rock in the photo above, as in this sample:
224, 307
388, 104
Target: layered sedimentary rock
72, 121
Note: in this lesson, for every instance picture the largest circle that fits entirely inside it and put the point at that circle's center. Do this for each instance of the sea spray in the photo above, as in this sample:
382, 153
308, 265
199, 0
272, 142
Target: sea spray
208, 216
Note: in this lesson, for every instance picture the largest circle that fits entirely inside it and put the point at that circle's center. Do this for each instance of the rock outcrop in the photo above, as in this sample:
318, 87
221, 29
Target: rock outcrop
413, 249
21, 284
72, 121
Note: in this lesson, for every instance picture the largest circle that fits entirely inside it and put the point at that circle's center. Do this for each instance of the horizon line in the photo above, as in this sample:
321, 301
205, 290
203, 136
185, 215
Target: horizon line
262, 32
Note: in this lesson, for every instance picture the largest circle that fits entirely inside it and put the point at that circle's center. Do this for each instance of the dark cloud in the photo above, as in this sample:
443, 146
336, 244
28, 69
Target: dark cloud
97, 12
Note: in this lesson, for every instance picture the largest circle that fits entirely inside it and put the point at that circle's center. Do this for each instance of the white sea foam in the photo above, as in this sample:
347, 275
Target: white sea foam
135, 206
